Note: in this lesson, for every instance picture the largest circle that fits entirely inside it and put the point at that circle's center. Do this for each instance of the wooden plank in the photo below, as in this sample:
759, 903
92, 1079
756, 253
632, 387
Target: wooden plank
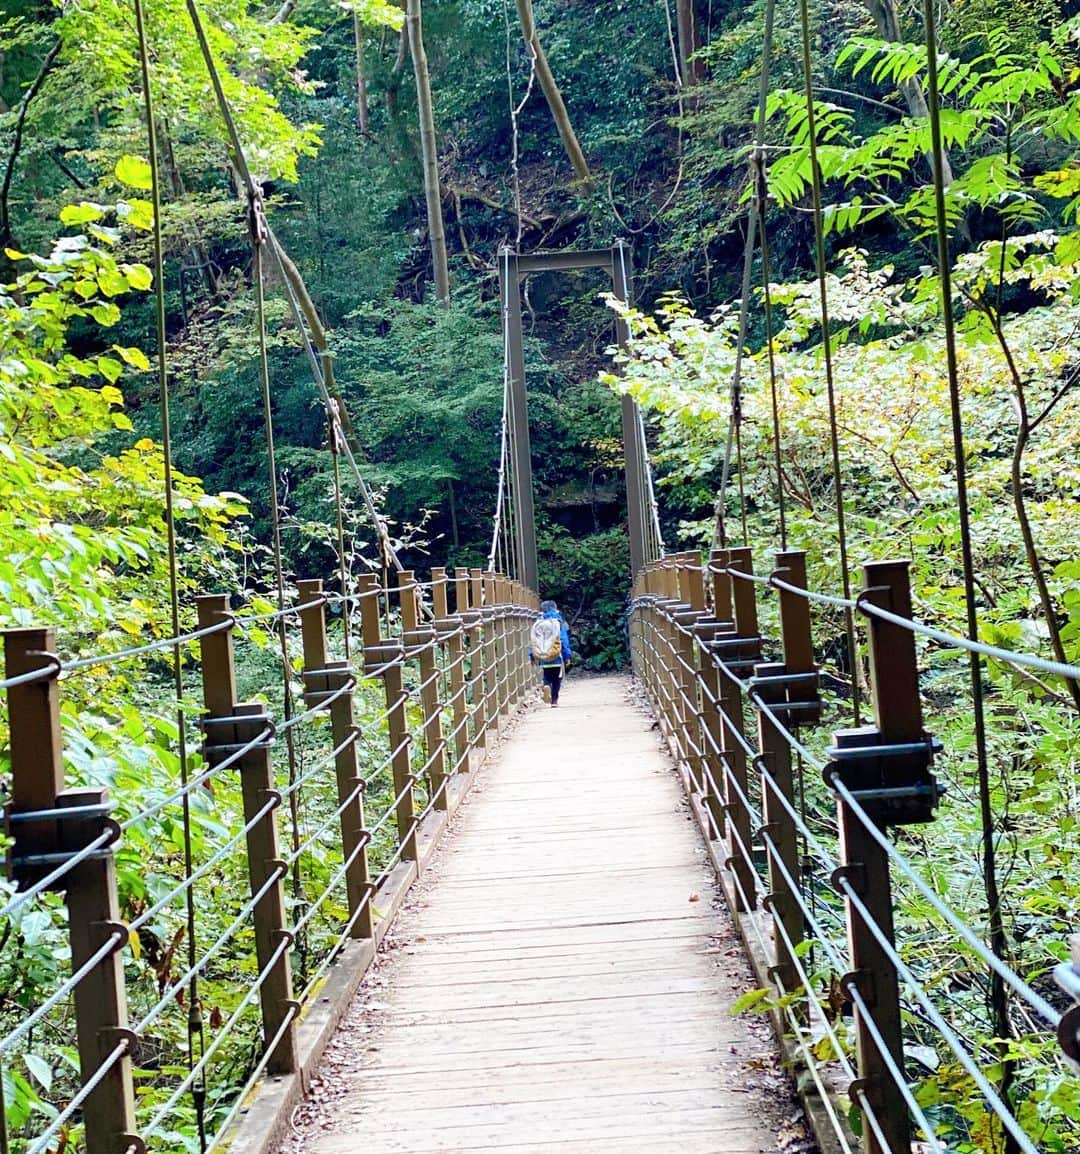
556, 981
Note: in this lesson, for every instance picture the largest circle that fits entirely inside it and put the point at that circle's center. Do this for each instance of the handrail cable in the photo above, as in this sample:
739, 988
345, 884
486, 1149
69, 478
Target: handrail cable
1001, 969
944, 1029
978, 947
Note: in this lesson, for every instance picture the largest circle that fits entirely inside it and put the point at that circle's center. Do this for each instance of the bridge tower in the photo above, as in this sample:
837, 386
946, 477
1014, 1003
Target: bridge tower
513, 267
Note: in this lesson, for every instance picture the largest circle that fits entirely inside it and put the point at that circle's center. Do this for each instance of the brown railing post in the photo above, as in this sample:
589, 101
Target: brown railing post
502, 643
459, 704
226, 726
886, 769
450, 628
708, 629
789, 690
37, 783
385, 656
672, 712
687, 615
325, 679
737, 653
469, 597
484, 599
520, 638
420, 637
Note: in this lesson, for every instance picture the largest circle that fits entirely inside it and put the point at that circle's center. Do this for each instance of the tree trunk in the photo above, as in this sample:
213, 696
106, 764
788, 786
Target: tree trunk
887, 20
553, 95
362, 118
436, 228
6, 236
691, 71
455, 537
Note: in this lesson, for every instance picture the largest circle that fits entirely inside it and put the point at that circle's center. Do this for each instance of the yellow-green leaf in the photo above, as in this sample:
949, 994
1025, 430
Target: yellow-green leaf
81, 213
134, 357
134, 172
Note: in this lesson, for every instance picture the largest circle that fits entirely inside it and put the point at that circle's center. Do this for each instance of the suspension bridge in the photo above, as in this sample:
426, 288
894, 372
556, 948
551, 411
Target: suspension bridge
561, 978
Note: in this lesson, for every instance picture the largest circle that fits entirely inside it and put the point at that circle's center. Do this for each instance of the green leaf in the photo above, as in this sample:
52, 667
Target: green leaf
110, 368
134, 172
81, 213
138, 276
134, 357
751, 1000
40, 1069
106, 314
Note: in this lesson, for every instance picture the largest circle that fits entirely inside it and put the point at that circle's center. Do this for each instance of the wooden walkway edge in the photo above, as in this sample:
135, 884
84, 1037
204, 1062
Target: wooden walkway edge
561, 978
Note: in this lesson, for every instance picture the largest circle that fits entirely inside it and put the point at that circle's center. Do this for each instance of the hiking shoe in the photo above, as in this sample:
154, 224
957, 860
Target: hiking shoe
546, 691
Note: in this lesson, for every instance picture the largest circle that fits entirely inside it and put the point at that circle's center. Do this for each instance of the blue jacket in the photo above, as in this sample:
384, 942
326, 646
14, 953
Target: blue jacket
565, 655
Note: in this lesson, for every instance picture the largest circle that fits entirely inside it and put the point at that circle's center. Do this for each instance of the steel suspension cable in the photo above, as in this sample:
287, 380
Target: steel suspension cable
258, 242
774, 391
826, 339
998, 943
195, 1029
503, 448
336, 438
734, 433
649, 512
513, 448
254, 196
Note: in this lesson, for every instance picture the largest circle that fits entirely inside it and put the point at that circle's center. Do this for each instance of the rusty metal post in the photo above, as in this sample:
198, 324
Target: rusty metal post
633, 446
37, 783
325, 679
231, 724
886, 767
737, 653
384, 657
521, 462
789, 690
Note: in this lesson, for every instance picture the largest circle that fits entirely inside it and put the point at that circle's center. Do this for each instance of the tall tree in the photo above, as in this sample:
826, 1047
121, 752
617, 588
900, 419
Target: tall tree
432, 191
691, 69
552, 94
362, 118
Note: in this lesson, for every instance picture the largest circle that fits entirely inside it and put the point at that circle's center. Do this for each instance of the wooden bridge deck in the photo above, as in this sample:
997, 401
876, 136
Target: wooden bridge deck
562, 978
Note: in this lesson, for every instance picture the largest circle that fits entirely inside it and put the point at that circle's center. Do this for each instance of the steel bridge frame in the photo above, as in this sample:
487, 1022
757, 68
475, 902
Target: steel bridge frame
513, 268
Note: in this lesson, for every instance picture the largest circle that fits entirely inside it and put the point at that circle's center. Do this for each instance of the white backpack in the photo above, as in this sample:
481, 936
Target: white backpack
545, 637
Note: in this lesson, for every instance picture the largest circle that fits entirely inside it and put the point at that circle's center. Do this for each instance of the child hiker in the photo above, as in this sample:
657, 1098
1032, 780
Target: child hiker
549, 647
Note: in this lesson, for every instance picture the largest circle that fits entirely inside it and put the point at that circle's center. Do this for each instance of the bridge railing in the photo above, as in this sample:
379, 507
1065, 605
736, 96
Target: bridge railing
808, 862
329, 838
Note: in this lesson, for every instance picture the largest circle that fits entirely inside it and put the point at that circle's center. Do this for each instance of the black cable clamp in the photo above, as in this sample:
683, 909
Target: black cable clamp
892, 781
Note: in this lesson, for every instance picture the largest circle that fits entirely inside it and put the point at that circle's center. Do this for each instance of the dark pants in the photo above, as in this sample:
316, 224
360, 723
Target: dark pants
553, 680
